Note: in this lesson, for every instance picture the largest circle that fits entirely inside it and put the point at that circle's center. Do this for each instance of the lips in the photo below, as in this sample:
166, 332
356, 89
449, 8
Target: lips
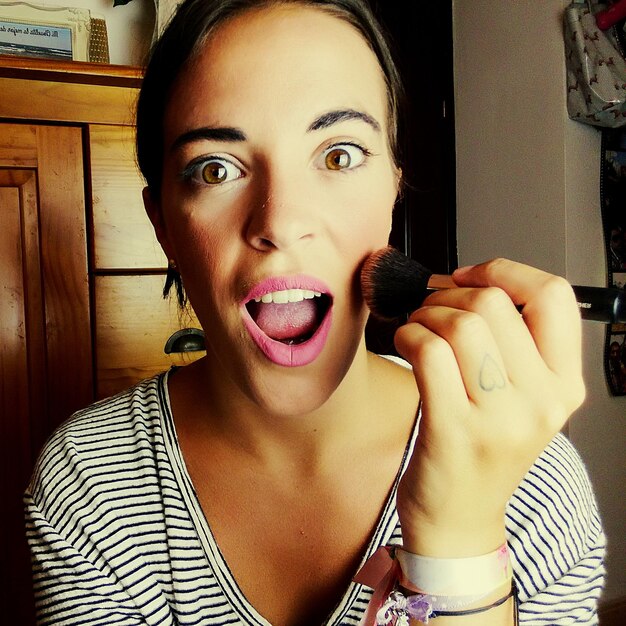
289, 318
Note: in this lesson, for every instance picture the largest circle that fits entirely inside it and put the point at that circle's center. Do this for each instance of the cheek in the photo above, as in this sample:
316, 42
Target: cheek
370, 222
203, 248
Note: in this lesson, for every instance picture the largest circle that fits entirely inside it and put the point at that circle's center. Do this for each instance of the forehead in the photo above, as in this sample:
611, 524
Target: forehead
277, 66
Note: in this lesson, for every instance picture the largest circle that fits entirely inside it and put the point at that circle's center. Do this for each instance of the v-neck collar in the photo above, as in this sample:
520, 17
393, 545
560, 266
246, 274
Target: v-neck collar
241, 607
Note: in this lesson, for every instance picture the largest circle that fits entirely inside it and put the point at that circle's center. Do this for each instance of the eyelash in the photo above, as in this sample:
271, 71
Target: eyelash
194, 168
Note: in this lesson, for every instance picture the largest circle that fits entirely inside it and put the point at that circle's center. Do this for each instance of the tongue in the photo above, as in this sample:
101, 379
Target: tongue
286, 321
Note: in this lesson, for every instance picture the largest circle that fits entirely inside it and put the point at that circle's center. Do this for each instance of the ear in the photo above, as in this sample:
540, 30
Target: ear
153, 209
399, 183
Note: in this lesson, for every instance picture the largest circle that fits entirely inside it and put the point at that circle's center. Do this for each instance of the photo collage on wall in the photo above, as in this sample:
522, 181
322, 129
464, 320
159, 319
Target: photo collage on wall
613, 192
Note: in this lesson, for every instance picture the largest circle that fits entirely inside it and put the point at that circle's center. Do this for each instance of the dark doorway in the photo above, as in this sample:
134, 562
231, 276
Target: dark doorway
425, 218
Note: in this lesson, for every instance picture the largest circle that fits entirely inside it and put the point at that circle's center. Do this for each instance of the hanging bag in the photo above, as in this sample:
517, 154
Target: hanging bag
596, 69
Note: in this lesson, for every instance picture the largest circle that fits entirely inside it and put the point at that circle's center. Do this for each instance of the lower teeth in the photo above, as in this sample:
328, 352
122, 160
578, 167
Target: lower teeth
295, 340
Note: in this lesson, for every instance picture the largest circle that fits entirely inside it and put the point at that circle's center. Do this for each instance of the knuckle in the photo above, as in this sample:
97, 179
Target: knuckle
496, 263
463, 324
496, 267
490, 298
557, 288
425, 348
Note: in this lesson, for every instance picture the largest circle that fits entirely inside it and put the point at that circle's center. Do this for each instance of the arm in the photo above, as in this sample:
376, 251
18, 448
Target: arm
88, 508
496, 386
556, 538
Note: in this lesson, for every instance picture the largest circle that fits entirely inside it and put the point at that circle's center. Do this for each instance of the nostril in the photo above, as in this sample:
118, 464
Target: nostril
266, 243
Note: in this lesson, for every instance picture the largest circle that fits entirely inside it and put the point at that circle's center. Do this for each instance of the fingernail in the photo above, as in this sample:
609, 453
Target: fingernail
462, 270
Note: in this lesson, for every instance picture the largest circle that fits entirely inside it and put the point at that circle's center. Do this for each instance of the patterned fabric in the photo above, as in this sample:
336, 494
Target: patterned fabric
596, 70
117, 534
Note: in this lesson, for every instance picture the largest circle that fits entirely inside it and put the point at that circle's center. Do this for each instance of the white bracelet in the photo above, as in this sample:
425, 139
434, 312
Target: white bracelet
472, 576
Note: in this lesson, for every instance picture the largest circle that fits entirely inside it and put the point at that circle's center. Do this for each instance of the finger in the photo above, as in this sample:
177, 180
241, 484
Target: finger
477, 354
436, 372
549, 308
518, 351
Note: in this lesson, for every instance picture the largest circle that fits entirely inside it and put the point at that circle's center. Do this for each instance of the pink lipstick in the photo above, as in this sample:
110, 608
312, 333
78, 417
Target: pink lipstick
289, 318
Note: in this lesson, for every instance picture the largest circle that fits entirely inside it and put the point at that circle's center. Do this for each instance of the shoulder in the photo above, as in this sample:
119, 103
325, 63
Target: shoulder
110, 419
392, 358
552, 519
394, 385
557, 491
392, 370
99, 442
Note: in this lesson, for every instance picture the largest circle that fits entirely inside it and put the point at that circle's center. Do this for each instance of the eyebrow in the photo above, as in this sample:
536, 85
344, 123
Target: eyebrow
341, 115
222, 133
230, 134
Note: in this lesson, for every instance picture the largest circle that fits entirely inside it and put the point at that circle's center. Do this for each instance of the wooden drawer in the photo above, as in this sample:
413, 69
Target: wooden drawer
133, 323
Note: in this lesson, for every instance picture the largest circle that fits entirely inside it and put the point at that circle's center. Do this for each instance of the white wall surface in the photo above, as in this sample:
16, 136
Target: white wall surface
528, 189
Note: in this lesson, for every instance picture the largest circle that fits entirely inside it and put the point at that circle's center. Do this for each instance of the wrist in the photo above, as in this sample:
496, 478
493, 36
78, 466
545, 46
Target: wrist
410, 587
439, 542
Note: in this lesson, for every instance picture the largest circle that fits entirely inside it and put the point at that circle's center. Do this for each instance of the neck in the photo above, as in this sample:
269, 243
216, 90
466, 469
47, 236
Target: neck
222, 413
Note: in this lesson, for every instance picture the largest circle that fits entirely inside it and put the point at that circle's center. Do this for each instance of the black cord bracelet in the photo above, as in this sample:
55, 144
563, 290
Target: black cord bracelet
512, 594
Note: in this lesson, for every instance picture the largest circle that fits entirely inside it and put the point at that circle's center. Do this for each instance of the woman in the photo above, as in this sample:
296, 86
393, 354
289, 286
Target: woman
251, 486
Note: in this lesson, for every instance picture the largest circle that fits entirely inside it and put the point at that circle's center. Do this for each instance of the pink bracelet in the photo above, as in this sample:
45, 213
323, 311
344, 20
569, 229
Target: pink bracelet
437, 585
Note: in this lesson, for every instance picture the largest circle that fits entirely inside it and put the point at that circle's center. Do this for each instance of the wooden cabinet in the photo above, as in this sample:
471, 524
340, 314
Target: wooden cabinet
81, 312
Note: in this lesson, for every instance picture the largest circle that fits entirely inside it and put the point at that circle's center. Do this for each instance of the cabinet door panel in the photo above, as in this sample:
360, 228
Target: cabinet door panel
45, 343
123, 234
64, 265
18, 146
16, 457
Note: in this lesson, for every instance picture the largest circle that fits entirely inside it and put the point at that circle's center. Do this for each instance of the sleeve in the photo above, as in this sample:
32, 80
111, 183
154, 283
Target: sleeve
69, 589
90, 565
557, 541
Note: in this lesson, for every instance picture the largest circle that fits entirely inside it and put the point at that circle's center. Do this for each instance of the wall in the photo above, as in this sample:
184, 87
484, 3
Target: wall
528, 188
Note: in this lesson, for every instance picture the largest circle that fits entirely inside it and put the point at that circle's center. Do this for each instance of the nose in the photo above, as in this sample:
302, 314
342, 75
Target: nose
283, 215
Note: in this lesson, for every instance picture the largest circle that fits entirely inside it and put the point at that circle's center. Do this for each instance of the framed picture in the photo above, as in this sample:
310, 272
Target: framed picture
45, 32
613, 188
165, 9
616, 360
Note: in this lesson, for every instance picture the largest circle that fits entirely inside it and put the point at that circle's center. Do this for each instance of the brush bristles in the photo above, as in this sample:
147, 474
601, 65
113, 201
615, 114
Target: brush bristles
393, 285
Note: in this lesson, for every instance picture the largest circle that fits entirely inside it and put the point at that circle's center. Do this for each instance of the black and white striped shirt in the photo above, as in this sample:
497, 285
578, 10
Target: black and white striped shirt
118, 536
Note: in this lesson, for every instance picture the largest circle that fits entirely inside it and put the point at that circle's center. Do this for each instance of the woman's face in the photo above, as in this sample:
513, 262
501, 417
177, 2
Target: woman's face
277, 183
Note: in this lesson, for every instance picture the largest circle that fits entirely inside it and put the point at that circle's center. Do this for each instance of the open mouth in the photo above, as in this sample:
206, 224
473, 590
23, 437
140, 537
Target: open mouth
288, 323
291, 316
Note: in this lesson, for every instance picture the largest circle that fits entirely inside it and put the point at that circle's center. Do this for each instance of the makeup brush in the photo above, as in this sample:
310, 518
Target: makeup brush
394, 285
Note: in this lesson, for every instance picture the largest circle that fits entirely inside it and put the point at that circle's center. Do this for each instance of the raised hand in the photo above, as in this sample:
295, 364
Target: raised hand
496, 385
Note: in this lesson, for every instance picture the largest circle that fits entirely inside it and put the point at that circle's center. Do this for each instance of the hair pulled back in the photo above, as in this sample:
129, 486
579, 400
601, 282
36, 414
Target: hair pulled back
189, 28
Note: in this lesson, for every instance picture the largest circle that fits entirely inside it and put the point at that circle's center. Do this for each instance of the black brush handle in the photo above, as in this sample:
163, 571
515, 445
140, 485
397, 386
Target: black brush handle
602, 304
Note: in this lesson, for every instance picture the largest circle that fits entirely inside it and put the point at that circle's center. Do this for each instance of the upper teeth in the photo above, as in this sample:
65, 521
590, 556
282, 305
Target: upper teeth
288, 295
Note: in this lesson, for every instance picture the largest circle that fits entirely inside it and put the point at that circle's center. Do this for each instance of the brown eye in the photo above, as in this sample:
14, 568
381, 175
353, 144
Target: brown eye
214, 172
343, 156
338, 159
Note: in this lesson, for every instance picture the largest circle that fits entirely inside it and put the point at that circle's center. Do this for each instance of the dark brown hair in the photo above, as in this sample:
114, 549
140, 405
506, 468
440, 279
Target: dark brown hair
189, 28
192, 24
